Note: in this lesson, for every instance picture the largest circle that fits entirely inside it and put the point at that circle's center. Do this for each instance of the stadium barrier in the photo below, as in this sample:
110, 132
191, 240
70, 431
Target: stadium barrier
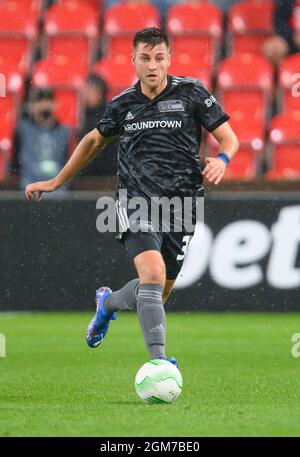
246, 258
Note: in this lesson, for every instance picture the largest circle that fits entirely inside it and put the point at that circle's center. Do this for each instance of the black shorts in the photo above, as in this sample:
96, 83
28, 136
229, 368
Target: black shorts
172, 247
172, 244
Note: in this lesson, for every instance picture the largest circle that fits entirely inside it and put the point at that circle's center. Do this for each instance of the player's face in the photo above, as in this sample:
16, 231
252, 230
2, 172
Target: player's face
151, 65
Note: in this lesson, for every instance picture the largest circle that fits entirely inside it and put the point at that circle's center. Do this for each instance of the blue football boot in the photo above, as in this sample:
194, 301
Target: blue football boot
169, 359
98, 326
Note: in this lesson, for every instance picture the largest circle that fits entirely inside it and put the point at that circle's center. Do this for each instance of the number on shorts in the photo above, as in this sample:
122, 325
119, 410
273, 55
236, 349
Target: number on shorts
185, 242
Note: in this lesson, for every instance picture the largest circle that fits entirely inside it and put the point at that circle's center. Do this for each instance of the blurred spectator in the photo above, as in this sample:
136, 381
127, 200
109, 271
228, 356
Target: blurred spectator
41, 143
286, 40
93, 106
93, 103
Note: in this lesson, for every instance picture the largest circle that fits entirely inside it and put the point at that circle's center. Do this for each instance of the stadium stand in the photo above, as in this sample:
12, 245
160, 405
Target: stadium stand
122, 20
118, 73
247, 165
195, 29
6, 133
12, 78
58, 72
285, 146
244, 81
71, 25
19, 30
250, 22
96, 4
245, 84
289, 83
185, 64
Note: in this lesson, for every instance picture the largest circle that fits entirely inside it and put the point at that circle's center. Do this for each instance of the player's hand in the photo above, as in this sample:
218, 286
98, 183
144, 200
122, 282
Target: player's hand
214, 170
40, 187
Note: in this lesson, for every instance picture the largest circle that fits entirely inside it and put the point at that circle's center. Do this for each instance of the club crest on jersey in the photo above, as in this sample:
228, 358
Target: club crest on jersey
171, 105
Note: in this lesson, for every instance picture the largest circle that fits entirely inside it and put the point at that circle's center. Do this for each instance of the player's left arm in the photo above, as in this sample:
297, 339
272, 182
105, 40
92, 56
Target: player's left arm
228, 146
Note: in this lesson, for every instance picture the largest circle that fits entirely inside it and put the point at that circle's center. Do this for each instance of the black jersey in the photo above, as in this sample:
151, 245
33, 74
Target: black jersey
160, 138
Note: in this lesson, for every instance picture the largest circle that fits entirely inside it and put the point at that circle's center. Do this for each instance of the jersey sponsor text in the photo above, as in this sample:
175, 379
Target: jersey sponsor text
152, 125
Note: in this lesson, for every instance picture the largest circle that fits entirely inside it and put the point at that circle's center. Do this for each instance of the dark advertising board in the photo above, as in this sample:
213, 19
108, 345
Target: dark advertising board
244, 257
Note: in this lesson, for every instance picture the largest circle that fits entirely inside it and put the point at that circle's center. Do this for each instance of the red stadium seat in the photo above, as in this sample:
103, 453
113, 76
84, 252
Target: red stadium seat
122, 20
253, 135
289, 83
246, 105
245, 165
18, 49
34, 6
68, 108
11, 91
71, 26
185, 65
196, 29
11, 76
246, 71
6, 134
120, 47
71, 17
245, 86
8, 109
18, 31
247, 111
118, 73
59, 71
59, 45
250, 22
96, 4
245, 82
16, 18
285, 146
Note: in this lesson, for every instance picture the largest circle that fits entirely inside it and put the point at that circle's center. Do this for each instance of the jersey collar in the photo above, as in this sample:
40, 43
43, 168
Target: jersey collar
145, 98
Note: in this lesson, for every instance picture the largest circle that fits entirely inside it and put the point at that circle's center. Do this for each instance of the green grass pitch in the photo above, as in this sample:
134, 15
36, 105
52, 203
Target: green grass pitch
239, 376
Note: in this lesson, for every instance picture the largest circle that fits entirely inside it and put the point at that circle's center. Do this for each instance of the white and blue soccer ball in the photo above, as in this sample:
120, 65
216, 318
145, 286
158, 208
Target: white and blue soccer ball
158, 381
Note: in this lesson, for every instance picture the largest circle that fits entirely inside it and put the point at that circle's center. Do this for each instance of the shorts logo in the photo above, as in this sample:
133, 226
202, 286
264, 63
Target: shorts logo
172, 105
209, 101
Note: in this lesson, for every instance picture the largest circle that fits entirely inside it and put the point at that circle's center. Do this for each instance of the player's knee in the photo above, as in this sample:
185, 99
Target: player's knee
153, 274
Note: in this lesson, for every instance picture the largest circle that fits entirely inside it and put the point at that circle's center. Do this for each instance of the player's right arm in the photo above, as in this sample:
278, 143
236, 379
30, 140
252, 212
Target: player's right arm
90, 145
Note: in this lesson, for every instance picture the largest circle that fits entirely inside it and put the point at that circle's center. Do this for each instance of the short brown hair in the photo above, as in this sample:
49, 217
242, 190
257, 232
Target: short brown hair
152, 36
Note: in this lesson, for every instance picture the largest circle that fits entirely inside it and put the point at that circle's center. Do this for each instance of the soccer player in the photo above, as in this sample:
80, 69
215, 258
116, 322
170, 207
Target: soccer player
159, 121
